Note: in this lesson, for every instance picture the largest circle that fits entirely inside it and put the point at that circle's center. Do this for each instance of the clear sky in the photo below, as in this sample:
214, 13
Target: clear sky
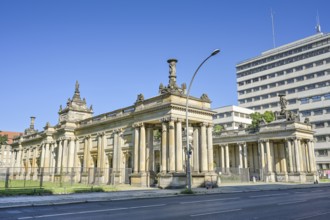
118, 49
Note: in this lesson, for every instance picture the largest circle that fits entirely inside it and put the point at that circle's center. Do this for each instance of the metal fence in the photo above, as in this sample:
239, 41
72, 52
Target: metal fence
20, 177
233, 175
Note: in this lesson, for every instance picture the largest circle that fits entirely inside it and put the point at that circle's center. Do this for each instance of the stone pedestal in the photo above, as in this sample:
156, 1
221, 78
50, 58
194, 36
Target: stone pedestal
281, 177
172, 180
270, 177
140, 179
297, 177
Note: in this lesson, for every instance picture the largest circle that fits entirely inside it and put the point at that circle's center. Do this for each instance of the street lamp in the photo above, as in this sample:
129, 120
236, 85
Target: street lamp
187, 124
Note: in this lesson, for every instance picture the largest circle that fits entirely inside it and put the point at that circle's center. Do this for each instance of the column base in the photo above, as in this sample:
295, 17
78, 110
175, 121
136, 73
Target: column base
297, 177
172, 180
140, 179
281, 177
270, 177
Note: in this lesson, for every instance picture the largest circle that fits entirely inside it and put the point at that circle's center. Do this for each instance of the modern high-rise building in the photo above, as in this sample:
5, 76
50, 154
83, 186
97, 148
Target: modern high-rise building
301, 71
231, 117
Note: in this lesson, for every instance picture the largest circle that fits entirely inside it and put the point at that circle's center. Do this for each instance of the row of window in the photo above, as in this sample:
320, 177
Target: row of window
232, 125
288, 91
314, 112
286, 82
284, 62
287, 71
284, 54
321, 153
230, 114
321, 124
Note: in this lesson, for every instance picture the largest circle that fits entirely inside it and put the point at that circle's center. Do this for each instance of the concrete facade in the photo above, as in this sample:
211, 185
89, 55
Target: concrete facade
232, 117
301, 71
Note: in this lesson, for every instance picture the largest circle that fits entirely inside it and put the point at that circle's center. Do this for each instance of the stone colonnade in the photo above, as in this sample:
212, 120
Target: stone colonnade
282, 160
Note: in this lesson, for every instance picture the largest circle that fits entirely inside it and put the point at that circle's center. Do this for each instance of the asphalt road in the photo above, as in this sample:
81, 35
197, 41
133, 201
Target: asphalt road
295, 204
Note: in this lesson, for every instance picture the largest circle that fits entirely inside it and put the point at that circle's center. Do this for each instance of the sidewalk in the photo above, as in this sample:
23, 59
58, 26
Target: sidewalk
139, 193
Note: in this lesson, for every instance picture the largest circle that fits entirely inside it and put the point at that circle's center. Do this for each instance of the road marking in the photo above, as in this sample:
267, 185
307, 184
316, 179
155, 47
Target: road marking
210, 200
319, 190
292, 202
92, 211
311, 216
299, 192
211, 213
269, 195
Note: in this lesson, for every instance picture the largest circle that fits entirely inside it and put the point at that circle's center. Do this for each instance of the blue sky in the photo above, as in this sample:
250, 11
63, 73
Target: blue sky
118, 49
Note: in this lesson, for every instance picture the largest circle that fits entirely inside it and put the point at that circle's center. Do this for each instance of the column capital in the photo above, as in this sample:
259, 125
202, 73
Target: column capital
203, 124
180, 120
164, 119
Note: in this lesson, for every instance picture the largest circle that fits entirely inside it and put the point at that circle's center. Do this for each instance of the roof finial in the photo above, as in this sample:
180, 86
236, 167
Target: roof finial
172, 76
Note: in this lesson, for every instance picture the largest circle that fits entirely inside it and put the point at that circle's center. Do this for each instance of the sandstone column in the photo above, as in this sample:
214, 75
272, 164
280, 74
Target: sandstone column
269, 157
42, 156
204, 162
311, 156
245, 156
99, 151
297, 155
171, 146
164, 148
227, 158
240, 156
142, 149
222, 147
115, 152
136, 149
59, 156
196, 151
179, 156
288, 143
210, 158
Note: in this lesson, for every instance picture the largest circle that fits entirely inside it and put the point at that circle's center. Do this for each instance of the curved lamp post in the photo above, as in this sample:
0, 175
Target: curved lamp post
187, 124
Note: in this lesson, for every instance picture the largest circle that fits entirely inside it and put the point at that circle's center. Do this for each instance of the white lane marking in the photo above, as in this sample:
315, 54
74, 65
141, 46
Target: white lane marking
299, 192
210, 200
269, 195
211, 213
319, 190
92, 211
292, 202
311, 216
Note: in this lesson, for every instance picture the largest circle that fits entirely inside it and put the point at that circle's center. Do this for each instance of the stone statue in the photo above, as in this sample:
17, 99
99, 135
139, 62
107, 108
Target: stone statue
140, 98
77, 86
91, 108
172, 65
60, 108
283, 103
205, 97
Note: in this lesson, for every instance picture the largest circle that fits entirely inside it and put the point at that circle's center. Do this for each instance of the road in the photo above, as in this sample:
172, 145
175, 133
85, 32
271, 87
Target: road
295, 204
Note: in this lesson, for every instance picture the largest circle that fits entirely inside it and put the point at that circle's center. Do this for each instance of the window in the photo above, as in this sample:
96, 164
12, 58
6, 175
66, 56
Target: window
289, 71
263, 77
221, 115
247, 81
327, 96
249, 100
248, 91
290, 81
300, 78
327, 111
290, 91
256, 89
292, 101
318, 63
255, 79
310, 65
264, 96
274, 94
306, 113
300, 89
272, 85
311, 86
319, 125
274, 104
304, 100
271, 75
236, 114
240, 83
280, 73
310, 76
265, 106
281, 83
298, 68
241, 92
322, 84
318, 74
322, 153
257, 108
257, 98
318, 112
316, 98
264, 87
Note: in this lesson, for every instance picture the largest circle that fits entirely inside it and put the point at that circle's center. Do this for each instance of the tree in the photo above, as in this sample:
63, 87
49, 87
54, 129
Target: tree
217, 129
267, 116
3, 139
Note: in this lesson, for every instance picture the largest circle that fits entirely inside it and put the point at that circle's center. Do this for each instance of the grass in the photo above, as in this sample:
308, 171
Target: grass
30, 187
187, 191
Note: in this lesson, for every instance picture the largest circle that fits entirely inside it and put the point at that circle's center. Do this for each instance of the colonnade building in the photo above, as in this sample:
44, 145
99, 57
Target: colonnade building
136, 144
301, 70
144, 144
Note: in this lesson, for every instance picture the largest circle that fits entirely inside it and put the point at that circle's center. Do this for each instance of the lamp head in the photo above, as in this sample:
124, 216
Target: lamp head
216, 51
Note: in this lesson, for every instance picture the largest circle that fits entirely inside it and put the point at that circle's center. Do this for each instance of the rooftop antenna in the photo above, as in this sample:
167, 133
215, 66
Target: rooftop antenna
272, 16
318, 26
